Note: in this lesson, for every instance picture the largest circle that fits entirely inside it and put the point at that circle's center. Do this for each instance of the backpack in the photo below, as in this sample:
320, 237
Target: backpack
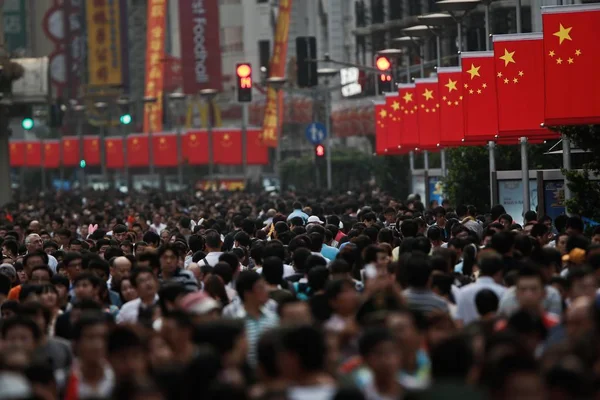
302, 290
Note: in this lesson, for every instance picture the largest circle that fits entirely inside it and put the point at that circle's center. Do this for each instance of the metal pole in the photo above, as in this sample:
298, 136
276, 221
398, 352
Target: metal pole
525, 175
422, 57
407, 67
103, 155
279, 137
518, 17
125, 161
566, 144
150, 146
411, 163
80, 137
211, 160
244, 140
492, 152
438, 50
5, 178
328, 140
426, 177
459, 38
443, 162
43, 170
487, 26
179, 148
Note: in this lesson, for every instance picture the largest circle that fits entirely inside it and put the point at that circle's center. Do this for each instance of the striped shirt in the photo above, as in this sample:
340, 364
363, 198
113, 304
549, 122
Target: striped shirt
183, 277
424, 300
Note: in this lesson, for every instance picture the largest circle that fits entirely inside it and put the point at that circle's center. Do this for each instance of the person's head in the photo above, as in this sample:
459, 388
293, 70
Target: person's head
9, 309
251, 288
73, 264
213, 240
90, 333
10, 248
490, 264
144, 282
34, 259
169, 259
302, 352
40, 275
126, 290
178, 329
506, 221
574, 226
503, 242
37, 313
120, 268
49, 297
342, 297
87, 286
272, 270
20, 333
418, 271
34, 243
541, 233
294, 312
378, 349
581, 283
375, 255
530, 288
577, 318
99, 267
561, 243
126, 353
440, 216
486, 302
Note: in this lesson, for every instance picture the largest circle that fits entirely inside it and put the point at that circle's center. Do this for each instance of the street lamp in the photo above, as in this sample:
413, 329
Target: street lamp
209, 95
79, 110
458, 9
125, 119
150, 101
176, 101
407, 43
436, 22
327, 74
277, 83
101, 107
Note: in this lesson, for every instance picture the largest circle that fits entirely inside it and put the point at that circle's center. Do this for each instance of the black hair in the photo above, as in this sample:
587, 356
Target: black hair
31, 310
575, 223
220, 334
245, 282
308, 344
169, 292
452, 359
503, 242
152, 238
87, 276
317, 278
266, 350
37, 253
231, 259
136, 272
486, 301
99, 264
418, 270
223, 270
490, 263
339, 266
59, 279
21, 321
409, 228
300, 258
87, 320
272, 270
168, 247
70, 257
371, 338
213, 239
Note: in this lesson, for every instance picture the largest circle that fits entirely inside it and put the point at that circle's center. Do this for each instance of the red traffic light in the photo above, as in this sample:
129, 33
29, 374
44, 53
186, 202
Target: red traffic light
243, 70
320, 150
383, 63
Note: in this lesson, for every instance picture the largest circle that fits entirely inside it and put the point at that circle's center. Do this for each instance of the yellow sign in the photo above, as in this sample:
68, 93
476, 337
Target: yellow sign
104, 42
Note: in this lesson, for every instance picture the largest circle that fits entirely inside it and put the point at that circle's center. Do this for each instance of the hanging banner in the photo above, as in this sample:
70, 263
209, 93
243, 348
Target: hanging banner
155, 52
200, 45
104, 42
15, 26
273, 120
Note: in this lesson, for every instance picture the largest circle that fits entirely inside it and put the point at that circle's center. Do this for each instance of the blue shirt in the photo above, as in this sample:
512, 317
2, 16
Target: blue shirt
298, 213
329, 252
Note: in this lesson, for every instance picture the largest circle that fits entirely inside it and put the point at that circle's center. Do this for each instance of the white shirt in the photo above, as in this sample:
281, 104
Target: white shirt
466, 310
288, 270
212, 258
158, 228
130, 311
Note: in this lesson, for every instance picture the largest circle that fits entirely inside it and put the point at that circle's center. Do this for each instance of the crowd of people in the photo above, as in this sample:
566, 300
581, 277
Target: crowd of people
318, 297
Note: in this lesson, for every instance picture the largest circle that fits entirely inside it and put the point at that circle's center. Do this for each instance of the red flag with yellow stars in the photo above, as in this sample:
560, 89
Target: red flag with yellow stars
33, 153
164, 149
571, 59
410, 120
17, 153
394, 127
452, 123
428, 102
381, 122
51, 154
195, 147
91, 150
115, 156
479, 88
227, 147
138, 151
70, 156
519, 60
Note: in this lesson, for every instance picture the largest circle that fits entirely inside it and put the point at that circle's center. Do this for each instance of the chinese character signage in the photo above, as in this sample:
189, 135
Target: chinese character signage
104, 42
15, 29
273, 119
155, 53
200, 45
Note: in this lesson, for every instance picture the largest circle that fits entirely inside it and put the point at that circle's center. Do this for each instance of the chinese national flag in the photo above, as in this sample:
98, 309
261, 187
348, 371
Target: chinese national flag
51, 154
70, 151
394, 128
91, 150
115, 159
519, 63
452, 122
256, 152
138, 151
227, 147
164, 147
17, 154
410, 119
195, 147
33, 154
571, 59
479, 91
381, 122
428, 101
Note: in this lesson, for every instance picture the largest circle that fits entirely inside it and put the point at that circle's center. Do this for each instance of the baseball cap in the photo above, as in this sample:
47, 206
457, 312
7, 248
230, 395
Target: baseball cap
313, 219
199, 303
575, 256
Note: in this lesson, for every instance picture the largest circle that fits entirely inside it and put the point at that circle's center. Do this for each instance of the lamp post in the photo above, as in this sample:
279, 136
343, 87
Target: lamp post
79, 110
101, 107
124, 103
176, 101
458, 10
209, 95
150, 101
277, 83
327, 74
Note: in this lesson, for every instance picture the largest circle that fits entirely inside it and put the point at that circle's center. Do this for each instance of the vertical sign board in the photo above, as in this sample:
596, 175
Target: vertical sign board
104, 43
155, 50
15, 25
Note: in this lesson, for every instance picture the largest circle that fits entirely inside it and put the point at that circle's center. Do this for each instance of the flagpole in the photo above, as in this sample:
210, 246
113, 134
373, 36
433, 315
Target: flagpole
566, 144
425, 153
523, 140
491, 143
411, 154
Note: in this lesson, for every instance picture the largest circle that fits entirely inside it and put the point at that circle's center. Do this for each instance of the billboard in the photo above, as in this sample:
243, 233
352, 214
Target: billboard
103, 20
155, 53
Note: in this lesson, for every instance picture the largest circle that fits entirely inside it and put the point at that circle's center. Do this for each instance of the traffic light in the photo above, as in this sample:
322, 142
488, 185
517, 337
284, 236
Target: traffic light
27, 123
243, 72
320, 151
384, 77
125, 119
82, 164
306, 64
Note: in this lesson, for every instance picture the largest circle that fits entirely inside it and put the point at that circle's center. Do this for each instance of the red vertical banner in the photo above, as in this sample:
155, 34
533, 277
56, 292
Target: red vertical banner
381, 122
452, 123
410, 121
273, 119
91, 150
70, 151
195, 147
33, 153
17, 153
479, 89
571, 59
256, 152
394, 129
520, 85
227, 147
51, 154
115, 159
428, 101
200, 45
155, 52
164, 148
138, 151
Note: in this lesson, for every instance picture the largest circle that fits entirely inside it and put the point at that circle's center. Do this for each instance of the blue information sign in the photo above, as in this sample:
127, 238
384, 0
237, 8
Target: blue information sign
316, 133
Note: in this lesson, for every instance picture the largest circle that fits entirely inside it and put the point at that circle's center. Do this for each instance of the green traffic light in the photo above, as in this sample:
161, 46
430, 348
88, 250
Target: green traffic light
125, 119
27, 124
82, 164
